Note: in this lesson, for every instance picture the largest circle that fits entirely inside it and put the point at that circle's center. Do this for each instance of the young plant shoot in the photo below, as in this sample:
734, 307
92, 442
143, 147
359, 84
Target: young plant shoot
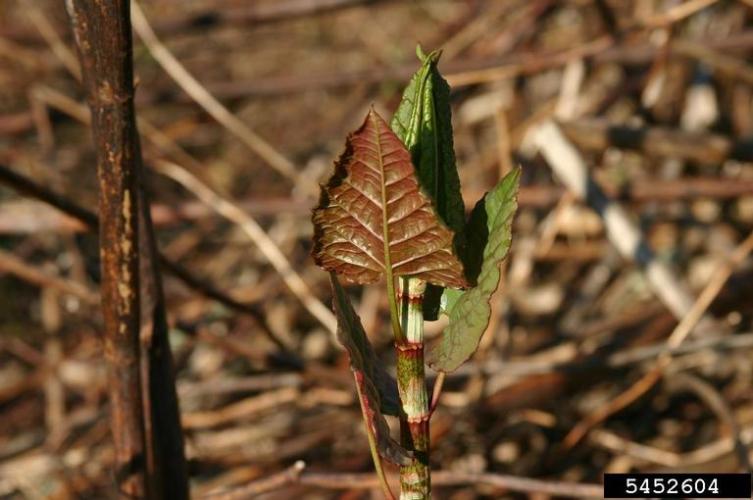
393, 210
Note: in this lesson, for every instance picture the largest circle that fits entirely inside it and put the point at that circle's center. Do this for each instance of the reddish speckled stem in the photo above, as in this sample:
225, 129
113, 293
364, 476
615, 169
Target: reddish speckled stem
415, 479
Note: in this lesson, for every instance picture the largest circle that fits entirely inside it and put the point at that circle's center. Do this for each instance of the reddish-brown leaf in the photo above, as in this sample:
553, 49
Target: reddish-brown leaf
377, 391
373, 217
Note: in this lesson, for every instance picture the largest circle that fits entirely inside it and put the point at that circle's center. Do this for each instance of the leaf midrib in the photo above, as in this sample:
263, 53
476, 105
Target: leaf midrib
386, 237
383, 188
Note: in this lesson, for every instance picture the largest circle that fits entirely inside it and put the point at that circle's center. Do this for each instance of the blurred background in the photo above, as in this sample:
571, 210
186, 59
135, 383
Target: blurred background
633, 122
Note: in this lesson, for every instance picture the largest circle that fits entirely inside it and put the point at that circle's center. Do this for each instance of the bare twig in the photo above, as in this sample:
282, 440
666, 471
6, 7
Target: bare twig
252, 228
681, 331
207, 101
23, 184
709, 293
9, 263
102, 37
255, 13
707, 148
58, 47
232, 212
702, 455
145, 421
571, 168
19, 216
344, 481
716, 402
163, 432
241, 409
31, 188
271, 483
677, 13
530, 65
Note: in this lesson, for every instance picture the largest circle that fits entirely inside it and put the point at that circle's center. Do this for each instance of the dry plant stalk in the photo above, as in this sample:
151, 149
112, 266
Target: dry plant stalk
393, 208
145, 423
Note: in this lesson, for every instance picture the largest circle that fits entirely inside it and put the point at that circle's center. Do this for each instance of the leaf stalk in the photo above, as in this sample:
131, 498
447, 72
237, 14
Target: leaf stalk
373, 447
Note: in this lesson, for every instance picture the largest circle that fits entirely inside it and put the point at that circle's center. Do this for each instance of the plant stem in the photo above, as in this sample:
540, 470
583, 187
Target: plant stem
415, 481
102, 34
147, 438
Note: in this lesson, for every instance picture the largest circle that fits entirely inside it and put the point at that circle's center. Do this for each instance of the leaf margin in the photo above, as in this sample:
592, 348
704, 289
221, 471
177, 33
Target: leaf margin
459, 340
445, 269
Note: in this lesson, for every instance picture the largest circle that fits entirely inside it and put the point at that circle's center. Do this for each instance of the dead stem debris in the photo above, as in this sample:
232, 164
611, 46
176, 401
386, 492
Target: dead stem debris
657, 98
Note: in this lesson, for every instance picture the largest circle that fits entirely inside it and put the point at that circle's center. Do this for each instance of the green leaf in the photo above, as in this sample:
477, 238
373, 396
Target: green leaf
490, 235
423, 121
377, 390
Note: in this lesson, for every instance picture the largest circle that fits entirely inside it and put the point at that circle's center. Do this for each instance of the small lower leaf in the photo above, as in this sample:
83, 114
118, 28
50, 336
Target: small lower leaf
489, 234
377, 390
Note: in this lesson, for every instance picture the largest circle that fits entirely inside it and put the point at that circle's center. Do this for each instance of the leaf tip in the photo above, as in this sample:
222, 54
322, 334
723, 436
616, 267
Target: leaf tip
514, 179
420, 53
374, 116
516, 173
430, 58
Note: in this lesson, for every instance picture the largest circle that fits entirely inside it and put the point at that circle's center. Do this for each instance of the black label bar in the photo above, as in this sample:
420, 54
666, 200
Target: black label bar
677, 486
